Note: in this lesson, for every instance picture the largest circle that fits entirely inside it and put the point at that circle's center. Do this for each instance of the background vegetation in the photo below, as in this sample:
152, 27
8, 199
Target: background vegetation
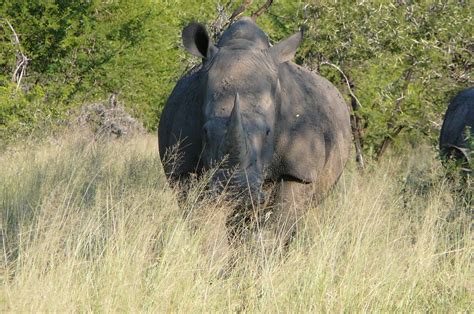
404, 60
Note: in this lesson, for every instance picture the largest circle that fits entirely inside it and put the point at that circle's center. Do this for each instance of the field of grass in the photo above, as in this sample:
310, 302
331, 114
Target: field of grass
92, 226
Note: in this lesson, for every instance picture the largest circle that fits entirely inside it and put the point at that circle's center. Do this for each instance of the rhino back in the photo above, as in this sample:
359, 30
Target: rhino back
460, 114
179, 130
313, 138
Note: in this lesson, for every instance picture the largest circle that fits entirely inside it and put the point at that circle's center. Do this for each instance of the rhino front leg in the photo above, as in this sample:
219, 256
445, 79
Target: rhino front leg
291, 202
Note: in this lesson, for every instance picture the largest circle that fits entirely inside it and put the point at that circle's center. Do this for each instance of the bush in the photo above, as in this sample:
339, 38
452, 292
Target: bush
404, 61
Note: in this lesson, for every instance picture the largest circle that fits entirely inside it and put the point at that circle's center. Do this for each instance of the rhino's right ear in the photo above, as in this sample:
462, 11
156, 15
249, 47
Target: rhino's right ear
285, 50
197, 41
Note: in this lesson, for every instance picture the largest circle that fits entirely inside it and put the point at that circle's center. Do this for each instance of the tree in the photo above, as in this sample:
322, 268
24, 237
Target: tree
404, 61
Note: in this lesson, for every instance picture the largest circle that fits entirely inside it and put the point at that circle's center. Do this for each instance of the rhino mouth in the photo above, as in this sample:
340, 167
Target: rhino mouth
237, 185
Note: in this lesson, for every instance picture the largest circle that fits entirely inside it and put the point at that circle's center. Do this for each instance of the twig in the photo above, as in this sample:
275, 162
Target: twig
262, 9
240, 10
221, 21
357, 133
21, 58
346, 79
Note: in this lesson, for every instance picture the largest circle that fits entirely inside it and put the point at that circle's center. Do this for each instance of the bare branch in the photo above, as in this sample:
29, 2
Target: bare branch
221, 21
357, 133
240, 10
262, 9
346, 79
21, 58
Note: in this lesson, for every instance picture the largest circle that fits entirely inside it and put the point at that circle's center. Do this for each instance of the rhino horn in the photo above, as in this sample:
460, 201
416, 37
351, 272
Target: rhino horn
236, 139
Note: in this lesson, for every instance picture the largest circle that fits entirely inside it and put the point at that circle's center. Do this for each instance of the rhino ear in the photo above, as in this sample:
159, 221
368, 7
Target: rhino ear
285, 50
197, 41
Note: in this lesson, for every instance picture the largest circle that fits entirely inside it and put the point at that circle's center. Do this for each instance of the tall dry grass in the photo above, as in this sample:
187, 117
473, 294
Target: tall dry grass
91, 226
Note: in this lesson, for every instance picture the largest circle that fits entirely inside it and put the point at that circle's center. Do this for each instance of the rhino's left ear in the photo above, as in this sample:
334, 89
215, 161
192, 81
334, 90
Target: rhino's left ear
285, 50
197, 41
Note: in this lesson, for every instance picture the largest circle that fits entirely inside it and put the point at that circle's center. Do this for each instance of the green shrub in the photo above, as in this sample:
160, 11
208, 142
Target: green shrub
404, 60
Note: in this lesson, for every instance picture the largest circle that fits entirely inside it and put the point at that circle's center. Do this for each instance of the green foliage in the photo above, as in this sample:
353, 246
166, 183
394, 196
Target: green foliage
22, 114
405, 59
81, 51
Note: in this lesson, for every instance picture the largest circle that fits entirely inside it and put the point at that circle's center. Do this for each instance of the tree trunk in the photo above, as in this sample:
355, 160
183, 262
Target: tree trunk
357, 132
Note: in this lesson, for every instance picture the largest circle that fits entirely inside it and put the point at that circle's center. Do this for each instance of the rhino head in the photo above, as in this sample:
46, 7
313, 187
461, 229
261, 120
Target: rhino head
240, 101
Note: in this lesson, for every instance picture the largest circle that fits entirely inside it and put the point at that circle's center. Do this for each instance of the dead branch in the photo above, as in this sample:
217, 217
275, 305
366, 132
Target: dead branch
21, 58
221, 21
240, 10
262, 9
357, 132
346, 79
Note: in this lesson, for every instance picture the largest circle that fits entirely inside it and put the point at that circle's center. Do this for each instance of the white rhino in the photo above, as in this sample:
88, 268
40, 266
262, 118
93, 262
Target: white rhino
275, 121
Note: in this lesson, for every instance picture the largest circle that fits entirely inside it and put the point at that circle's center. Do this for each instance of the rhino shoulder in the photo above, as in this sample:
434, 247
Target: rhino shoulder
179, 130
313, 140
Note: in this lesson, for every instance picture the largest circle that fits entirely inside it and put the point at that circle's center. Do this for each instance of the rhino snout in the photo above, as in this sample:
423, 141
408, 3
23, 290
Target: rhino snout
237, 184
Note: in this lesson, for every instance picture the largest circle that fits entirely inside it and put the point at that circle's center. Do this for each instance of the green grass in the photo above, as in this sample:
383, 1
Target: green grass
92, 226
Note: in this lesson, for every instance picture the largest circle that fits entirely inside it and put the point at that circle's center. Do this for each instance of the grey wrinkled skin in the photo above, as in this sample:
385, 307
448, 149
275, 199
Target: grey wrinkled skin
276, 122
458, 118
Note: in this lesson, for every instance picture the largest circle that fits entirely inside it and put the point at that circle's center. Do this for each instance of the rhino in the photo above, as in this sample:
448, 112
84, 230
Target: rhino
457, 127
248, 108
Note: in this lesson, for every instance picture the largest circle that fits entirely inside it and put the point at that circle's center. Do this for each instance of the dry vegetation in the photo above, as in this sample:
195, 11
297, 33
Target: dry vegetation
91, 226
